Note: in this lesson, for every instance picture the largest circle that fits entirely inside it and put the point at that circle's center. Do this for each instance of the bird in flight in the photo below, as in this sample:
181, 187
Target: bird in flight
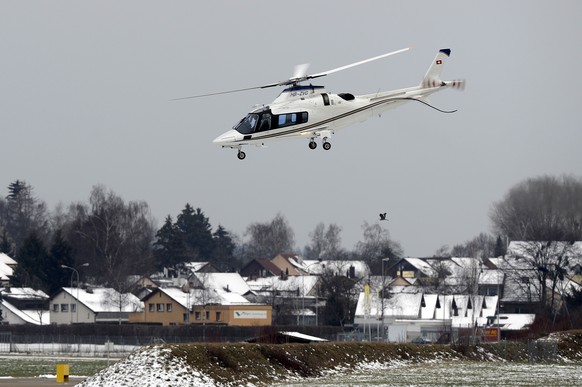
383, 216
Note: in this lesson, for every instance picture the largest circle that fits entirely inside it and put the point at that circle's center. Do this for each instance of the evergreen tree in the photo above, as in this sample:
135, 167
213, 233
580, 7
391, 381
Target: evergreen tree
500, 248
168, 245
223, 253
61, 253
5, 245
32, 267
196, 233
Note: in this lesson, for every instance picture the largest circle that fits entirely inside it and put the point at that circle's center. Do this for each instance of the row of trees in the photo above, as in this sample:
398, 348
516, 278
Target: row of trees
111, 238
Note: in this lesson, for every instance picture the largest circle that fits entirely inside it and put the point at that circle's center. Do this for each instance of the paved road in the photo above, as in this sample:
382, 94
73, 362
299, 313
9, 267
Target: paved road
36, 382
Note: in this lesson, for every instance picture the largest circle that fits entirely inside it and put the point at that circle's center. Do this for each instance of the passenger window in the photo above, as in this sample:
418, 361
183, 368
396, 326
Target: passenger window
282, 119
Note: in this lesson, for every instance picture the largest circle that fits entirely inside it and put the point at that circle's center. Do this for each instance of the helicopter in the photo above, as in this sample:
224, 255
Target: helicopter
309, 111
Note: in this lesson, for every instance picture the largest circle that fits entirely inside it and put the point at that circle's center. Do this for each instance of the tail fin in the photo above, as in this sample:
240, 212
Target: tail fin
432, 77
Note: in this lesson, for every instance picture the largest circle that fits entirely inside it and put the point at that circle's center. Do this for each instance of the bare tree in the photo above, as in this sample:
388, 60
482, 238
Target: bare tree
482, 246
325, 243
268, 239
545, 214
376, 246
114, 237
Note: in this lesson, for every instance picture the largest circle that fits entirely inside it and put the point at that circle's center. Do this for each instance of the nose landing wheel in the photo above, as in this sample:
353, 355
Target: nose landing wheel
241, 155
326, 145
312, 144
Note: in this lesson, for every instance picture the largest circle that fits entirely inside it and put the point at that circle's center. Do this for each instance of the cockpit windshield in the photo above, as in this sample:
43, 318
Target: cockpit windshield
248, 124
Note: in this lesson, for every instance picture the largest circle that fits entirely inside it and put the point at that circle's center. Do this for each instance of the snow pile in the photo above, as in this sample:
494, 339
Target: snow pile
150, 367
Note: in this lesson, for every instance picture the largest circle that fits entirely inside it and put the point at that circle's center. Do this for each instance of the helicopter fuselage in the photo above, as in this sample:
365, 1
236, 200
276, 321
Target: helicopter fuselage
310, 111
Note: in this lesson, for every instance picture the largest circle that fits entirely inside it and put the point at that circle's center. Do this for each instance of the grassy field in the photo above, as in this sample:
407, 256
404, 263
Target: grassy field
31, 366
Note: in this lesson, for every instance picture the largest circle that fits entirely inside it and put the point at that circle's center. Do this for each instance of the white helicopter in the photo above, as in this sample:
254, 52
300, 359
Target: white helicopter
310, 111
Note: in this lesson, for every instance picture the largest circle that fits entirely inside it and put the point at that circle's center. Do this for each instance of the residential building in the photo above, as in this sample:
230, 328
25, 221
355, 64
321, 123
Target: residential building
182, 306
92, 305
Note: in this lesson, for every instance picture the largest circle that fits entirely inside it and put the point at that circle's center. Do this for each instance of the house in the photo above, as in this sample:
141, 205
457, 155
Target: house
24, 306
182, 306
258, 268
406, 316
92, 305
290, 264
293, 298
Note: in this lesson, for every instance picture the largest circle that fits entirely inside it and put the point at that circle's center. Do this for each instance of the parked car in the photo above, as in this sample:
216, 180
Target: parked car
421, 340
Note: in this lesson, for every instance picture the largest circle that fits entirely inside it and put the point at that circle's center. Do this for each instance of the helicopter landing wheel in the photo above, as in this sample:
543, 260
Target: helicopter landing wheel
312, 144
326, 145
241, 155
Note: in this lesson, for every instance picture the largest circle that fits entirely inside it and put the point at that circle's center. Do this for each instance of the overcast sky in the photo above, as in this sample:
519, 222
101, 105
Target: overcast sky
85, 90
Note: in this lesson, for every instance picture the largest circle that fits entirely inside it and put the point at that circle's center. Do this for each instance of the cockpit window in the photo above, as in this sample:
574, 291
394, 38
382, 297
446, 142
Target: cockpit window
247, 124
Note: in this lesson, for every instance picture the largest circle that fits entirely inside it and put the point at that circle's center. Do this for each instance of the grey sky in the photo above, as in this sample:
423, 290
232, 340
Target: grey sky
85, 89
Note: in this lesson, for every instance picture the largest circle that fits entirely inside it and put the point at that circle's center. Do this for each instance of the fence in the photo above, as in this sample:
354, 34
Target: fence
104, 340
542, 351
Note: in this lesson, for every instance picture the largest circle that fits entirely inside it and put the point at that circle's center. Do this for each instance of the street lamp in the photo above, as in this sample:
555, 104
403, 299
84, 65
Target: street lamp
75, 272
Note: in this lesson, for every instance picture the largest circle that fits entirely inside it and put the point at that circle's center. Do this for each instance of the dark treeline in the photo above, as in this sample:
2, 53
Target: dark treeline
106, 239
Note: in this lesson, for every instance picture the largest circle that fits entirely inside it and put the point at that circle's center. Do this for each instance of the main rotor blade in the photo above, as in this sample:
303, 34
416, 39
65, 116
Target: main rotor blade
227, 92
357, 63
298, 76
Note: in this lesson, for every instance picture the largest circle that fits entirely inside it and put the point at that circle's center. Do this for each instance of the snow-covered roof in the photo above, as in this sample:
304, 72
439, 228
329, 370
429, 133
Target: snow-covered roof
341, 267
469, 309
5, 271
195, 266
13, 315
402, 305
303, 336
305, 284
24, 293
514, 321
105, 299
422, 266
198, 296
228, 282
4, 258
491, 277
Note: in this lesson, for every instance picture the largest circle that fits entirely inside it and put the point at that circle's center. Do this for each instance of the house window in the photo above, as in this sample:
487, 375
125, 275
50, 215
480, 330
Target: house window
160, 307
168, 307
218, 316
73, 308
197, 315
185, 317
207, 315
152, 308
56, 308
64, 308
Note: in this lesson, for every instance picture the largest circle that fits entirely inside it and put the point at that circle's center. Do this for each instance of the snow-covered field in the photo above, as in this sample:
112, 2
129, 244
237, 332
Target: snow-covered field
155, 367
462, 373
